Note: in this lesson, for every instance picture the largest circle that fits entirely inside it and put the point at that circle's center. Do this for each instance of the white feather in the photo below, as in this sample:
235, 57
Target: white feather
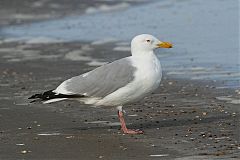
54, 100
61, 89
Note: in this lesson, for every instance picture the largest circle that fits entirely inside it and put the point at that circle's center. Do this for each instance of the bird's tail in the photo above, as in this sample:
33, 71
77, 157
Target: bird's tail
50, 96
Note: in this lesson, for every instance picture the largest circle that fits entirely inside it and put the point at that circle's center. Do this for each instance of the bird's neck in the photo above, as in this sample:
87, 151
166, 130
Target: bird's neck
143, 54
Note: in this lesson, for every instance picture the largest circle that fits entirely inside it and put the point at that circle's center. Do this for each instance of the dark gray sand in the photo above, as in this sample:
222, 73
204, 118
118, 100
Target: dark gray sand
182, 119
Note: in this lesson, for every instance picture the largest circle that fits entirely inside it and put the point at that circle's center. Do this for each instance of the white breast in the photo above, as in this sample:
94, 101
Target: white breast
147, 78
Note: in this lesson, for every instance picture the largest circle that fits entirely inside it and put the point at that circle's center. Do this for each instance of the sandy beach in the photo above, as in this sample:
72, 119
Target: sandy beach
184, 119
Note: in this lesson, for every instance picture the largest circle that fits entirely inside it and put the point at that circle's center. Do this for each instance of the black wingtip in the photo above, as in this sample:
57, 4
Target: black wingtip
51, 95
35, 96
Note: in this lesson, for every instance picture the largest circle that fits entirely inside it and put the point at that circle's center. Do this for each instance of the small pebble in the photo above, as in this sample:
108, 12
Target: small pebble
36, 138
20, 144
24, 152
69, 137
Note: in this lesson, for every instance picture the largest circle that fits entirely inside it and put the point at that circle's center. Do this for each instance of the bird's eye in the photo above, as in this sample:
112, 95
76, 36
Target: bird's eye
148, 40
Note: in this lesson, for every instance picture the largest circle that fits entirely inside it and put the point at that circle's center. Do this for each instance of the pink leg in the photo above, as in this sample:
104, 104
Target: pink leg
123, 125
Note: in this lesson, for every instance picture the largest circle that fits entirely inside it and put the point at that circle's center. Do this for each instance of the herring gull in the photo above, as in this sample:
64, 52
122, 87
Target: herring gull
115, 84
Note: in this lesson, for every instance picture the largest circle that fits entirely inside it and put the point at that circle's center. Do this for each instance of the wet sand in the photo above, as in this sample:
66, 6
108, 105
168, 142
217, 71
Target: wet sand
183, 119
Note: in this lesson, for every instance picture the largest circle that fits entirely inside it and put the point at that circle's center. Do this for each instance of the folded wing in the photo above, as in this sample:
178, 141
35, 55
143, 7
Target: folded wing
100, 82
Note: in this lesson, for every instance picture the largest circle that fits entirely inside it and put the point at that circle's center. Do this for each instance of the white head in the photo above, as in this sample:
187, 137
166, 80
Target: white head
146, 43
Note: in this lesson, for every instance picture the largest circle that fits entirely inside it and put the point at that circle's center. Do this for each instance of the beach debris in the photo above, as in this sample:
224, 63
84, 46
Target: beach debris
153, 145
182, 111
124, 148
36, 138
100, 157
192, 139
20, 144
204, 113
158, 155
48, 134
25, 151
189, 130
132, 115
68, 137
203, 134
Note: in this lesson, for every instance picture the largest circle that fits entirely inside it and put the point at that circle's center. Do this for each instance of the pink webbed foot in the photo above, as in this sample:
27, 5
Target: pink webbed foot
124, 127
131, 131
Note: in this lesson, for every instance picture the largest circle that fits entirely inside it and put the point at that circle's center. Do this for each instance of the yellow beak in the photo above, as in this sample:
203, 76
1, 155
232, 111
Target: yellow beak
164, 45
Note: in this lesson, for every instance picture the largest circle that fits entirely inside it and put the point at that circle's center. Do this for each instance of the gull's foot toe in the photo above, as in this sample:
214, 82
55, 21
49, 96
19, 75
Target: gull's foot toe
130, 131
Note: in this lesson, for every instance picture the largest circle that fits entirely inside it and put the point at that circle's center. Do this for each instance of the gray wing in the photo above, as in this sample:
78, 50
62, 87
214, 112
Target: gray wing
103, 80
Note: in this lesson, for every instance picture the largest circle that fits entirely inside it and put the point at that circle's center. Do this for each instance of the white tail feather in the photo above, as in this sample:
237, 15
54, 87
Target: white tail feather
54, 100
